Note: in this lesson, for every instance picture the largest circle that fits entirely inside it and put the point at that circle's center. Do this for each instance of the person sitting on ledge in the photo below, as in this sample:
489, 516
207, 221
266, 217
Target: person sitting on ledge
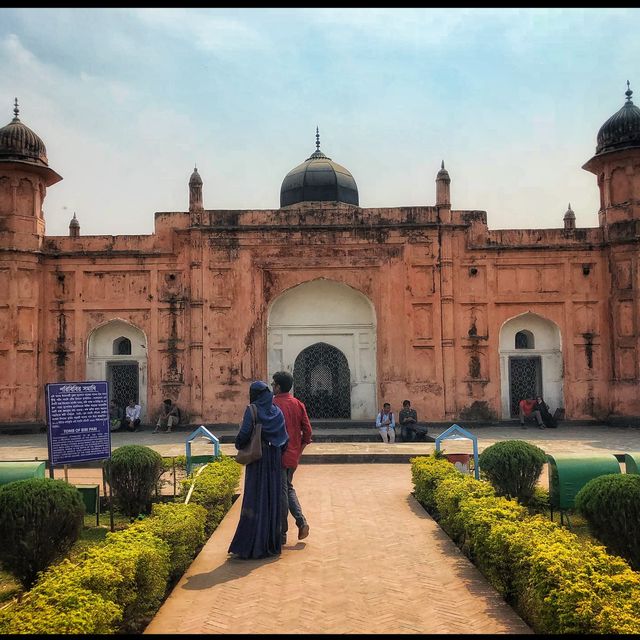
410, 429
169, 416
548, 420
132, 416
529, 409
115, 416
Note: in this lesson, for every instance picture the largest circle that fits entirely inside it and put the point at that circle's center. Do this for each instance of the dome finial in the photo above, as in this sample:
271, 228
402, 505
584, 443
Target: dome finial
442, 165
317, 139
16, 110
628, 93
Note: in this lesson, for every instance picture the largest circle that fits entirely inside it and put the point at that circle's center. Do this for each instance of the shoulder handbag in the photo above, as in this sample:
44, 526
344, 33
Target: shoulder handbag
252, 452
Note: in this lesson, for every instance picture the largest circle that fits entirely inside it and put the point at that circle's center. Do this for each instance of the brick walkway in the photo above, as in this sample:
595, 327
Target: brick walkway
374, 562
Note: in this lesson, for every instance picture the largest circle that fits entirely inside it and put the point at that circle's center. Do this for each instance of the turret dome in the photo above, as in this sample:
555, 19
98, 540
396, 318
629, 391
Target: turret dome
18, 142
622, 129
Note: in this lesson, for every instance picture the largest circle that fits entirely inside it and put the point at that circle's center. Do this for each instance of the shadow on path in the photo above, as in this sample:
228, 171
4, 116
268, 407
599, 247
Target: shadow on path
232, 569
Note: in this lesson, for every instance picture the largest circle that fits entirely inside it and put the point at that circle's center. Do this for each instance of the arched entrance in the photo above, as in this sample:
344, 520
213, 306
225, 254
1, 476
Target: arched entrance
117, 353
321, 380
324, 312
530, 362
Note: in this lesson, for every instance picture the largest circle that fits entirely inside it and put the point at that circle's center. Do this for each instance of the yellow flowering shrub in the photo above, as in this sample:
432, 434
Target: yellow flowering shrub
426, 473
449, 493
557, 582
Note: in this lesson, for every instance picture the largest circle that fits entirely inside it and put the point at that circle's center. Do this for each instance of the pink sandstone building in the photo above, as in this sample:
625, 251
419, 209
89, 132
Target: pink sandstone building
363, 305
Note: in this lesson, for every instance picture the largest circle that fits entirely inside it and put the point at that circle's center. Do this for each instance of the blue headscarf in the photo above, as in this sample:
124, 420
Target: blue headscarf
269, 415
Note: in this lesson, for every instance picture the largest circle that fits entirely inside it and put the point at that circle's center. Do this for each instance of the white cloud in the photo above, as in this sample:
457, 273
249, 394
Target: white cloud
208, 32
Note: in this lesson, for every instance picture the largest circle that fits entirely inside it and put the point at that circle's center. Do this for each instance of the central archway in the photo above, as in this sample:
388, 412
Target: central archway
321, 380
332, 314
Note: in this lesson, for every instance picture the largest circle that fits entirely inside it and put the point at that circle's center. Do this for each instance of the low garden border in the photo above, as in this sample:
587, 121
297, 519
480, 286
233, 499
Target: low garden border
555, 581
119, 585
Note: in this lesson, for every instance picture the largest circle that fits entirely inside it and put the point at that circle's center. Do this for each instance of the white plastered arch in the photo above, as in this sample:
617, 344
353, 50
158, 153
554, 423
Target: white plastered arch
100, 354
327, 311
548, 346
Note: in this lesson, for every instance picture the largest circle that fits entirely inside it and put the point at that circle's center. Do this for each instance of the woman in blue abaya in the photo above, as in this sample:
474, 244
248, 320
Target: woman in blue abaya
258, 533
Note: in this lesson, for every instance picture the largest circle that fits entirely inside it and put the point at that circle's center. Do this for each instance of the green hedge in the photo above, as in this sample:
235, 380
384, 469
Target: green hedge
134, 472
119, 585
513, 468
611, 506
214, 489
449, 493
181, 526
426, 473
557, 582
40, 519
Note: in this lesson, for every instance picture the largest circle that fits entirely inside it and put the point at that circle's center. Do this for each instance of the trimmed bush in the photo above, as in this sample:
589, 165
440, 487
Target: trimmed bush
611, 506
40, 519
117, 587
143, 559
513, 468
427, 472
448, 495
59, 605
133, 472
561, 584
214, 489
557, 582
479, 516
181, 526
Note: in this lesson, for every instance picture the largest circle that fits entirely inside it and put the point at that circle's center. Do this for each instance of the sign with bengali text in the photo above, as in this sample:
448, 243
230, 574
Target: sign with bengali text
78, 421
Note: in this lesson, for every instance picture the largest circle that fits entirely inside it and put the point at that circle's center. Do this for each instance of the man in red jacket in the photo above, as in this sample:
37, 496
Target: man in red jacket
298, 427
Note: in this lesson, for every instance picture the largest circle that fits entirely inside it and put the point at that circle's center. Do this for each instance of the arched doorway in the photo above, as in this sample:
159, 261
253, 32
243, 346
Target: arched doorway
117, 353
334, 315
530, 362
321, 380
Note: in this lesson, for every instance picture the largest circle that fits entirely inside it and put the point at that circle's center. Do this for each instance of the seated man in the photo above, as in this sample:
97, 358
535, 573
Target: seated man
169, 416
115, 416
528, 408
132, 416
410, 428
386, 424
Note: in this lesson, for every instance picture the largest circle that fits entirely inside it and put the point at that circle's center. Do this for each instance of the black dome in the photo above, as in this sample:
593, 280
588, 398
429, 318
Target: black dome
622, 129
18, 142
318, 178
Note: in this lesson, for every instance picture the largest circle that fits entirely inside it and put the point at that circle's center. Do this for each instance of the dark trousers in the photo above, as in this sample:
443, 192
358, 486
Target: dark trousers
131, 426
412, 432
289, 502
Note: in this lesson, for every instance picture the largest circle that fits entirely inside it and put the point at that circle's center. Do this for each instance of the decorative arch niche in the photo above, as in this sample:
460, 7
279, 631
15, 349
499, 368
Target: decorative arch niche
336, 315
117, 353
530, 362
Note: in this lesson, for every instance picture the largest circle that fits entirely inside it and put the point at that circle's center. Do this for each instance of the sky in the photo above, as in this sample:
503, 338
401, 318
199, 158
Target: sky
128, 100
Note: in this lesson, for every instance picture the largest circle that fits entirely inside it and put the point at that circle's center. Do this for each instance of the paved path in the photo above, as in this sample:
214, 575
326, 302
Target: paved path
566, 439
374, 562
581, 439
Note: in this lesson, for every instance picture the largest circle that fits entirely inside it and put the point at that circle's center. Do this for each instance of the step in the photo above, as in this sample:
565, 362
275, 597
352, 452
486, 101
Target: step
332, 427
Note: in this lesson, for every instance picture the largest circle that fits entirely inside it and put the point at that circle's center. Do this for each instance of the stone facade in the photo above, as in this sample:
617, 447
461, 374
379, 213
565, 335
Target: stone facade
424, 303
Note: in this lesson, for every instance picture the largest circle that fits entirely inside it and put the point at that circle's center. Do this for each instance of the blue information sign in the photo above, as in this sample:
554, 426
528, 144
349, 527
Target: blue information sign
78, 419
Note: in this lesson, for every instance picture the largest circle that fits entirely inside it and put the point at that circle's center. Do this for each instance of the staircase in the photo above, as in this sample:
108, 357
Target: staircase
323, 431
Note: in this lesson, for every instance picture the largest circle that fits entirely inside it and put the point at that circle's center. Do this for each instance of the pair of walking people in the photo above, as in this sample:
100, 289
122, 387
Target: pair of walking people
269, 495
